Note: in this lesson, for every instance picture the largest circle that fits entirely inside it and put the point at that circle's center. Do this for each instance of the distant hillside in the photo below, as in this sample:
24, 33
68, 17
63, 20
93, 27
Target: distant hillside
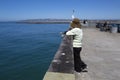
39, 21
62, 21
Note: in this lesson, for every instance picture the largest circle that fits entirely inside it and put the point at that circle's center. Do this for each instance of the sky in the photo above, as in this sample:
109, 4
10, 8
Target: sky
59, 9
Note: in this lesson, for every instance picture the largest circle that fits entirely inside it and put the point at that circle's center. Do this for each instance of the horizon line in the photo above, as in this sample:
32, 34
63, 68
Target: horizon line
52, 19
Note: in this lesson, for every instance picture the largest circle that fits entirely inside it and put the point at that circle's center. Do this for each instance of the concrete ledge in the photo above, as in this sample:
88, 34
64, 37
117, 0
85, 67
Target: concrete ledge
62, 65
63, 59
58, 76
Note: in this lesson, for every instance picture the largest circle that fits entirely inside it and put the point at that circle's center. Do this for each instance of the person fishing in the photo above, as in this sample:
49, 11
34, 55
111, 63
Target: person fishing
76, 31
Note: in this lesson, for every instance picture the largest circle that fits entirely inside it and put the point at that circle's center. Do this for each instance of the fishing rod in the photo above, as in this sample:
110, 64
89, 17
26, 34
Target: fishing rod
73, 14
63, 33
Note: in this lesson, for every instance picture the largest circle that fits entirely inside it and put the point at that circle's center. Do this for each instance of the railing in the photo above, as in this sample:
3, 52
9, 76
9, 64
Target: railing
63, 60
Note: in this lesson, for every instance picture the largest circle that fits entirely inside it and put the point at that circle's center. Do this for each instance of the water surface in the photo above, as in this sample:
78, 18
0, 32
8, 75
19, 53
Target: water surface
26, 50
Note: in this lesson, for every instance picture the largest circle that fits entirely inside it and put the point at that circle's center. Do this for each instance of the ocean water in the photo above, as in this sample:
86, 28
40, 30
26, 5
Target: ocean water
26, 50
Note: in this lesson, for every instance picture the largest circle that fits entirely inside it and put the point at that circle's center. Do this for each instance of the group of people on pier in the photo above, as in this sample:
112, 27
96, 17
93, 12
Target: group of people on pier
103, 26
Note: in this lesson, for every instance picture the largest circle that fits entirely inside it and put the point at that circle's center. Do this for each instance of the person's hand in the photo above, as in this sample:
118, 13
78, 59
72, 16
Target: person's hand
70, 28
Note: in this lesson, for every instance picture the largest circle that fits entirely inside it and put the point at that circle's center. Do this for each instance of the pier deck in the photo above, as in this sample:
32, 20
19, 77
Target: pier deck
101, 51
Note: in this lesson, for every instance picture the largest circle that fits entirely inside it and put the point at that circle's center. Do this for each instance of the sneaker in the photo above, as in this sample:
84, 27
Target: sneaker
85, 70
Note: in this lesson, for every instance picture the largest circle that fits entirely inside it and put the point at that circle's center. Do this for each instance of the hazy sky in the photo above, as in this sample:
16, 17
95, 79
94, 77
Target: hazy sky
35, 9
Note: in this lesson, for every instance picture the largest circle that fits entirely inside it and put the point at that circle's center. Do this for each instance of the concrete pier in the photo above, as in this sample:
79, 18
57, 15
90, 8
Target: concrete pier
101, 52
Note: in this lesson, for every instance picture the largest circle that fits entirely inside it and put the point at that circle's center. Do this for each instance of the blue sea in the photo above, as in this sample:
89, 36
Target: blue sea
26, 50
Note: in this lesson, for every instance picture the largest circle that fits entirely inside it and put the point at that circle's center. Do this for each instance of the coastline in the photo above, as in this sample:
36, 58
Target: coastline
45, 22
64, 21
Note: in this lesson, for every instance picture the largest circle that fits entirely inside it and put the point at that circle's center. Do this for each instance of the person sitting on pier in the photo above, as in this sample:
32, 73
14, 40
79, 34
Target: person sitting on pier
105, 26
76, 32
